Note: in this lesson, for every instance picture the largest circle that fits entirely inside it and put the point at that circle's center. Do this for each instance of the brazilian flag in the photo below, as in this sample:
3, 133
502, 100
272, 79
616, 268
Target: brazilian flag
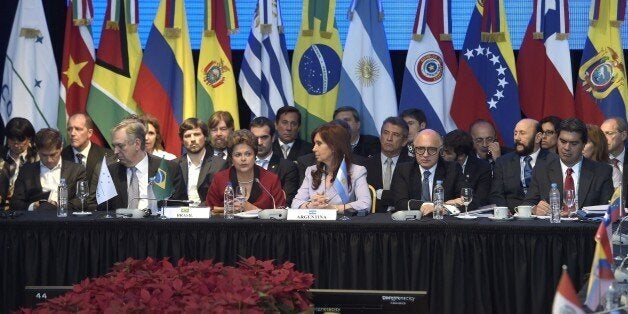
162, 183
316, 65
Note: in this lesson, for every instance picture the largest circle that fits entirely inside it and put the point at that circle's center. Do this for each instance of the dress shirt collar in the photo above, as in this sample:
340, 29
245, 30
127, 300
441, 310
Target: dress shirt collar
534, 156
44, 169
191, 164
394, 159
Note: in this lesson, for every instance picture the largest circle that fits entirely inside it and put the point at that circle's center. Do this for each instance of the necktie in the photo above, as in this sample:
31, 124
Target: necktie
616, 173
387, 173
79, 158
527, 172
284, 149
134, 189
569, 185
425, 187
220, 154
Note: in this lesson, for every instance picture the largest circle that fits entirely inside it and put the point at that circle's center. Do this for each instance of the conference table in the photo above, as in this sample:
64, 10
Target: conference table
466, 266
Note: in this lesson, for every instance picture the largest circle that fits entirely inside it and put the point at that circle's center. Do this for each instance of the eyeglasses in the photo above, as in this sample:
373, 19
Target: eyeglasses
484, 140
548, 133
431, 151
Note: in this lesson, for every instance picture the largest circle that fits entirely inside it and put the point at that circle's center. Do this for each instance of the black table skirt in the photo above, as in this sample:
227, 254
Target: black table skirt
478, 266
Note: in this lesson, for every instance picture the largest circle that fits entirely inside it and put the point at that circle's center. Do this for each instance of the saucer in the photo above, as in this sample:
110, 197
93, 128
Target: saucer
81, 213
500, 219
463, 216
524, 218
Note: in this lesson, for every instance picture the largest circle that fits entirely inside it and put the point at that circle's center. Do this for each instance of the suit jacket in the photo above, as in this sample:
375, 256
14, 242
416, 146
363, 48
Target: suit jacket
406, 184
118, 175
368, 146
310, 160
28, 186
5, 171
477, 175
506, 189
257, 196
288, 173
210, 165
374, 177
624, 181
595, 184
299, 148
93, 163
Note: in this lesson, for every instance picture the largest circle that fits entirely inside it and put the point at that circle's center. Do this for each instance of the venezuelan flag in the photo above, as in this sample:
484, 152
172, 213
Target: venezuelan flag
165, 85
602, 89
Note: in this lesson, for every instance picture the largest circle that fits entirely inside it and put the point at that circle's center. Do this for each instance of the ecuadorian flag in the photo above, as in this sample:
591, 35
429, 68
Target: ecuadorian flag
316, 65
165, 85
601, 91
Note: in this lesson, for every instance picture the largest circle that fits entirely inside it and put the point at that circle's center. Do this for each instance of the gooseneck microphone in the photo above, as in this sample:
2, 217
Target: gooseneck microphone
267, 192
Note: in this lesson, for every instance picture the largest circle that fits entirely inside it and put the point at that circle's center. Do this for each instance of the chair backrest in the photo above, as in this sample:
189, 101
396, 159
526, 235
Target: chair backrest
373, 198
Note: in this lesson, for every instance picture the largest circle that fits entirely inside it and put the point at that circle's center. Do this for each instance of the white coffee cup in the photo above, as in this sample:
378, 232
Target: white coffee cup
500, 212
524, 211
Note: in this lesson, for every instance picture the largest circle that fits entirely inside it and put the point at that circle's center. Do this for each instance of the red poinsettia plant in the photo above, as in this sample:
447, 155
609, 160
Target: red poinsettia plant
156, 286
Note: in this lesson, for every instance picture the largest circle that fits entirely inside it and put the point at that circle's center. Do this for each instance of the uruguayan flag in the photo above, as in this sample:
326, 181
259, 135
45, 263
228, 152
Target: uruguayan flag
366, 81
341, 184
265, 74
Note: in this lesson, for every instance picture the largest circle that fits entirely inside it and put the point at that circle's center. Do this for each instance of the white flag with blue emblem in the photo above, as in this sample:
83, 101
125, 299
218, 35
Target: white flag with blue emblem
30, 83
105, 190
366, 80
265, 74
341, 184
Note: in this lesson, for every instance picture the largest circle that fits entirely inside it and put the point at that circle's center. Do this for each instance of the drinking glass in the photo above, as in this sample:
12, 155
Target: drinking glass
82, 191
569, 199
467, 196
240, 197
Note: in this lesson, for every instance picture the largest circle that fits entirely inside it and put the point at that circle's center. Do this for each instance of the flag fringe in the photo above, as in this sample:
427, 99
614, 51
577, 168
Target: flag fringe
445, 37
266, 28
81, 22
562, 36
417, 37
307, 32
112, 25
131, 28
492, 37
209, 33
538, 35
326, 35
172, 32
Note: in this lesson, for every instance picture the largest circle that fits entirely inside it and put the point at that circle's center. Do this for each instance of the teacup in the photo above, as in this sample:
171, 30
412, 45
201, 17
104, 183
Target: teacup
500, 212
524, 211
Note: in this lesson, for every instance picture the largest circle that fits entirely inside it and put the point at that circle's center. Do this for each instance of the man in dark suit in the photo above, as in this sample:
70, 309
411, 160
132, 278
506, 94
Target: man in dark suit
82, 151
382, 166
458, 147
485, 141
135, 169
415, 118
592, 180
197, 165
37, 184
264, 130
363, 145
221, 126
413, 182
512, 173
288, 145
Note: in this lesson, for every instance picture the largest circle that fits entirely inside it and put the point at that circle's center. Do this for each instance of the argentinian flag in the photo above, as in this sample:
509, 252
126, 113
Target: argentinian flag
366, 81
341, 184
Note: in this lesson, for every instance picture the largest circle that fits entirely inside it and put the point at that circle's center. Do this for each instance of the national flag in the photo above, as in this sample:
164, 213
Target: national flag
105, 190
601, 272
78, 63
602, 90
566, 299
544, 63
161, 182
117, 64
316, 64
366, 80
215, 78
341, 183
30, 85
487, 68
265, 73
429, 78
165, 85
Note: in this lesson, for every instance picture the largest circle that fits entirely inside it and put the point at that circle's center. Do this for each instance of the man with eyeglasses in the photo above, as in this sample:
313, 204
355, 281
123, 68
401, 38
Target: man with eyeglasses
512, 174
288, 145
549, 138
413, 182
382, 166
591, 180
614, 129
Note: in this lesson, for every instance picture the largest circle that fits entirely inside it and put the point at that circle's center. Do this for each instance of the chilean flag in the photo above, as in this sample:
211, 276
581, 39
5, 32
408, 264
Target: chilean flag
544, 63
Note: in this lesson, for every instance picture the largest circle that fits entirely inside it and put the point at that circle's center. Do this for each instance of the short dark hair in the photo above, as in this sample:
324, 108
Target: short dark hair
574, 125
554, 120
415, 113
288, 109
460, 141
48, 138
261, 122
191, 124
19, 129
398, 122
242, 136
354, 112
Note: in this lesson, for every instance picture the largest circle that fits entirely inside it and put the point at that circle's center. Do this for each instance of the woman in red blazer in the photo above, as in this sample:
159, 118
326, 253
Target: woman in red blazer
242, 150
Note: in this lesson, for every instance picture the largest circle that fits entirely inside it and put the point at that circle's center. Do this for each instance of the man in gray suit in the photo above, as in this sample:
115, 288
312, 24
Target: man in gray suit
591, 180
197, 166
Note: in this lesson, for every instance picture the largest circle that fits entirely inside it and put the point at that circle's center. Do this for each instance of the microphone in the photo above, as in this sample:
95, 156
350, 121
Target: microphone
267, 192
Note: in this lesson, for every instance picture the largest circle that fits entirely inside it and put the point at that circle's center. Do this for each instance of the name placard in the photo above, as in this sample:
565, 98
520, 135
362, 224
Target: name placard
187, 212
312, 214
